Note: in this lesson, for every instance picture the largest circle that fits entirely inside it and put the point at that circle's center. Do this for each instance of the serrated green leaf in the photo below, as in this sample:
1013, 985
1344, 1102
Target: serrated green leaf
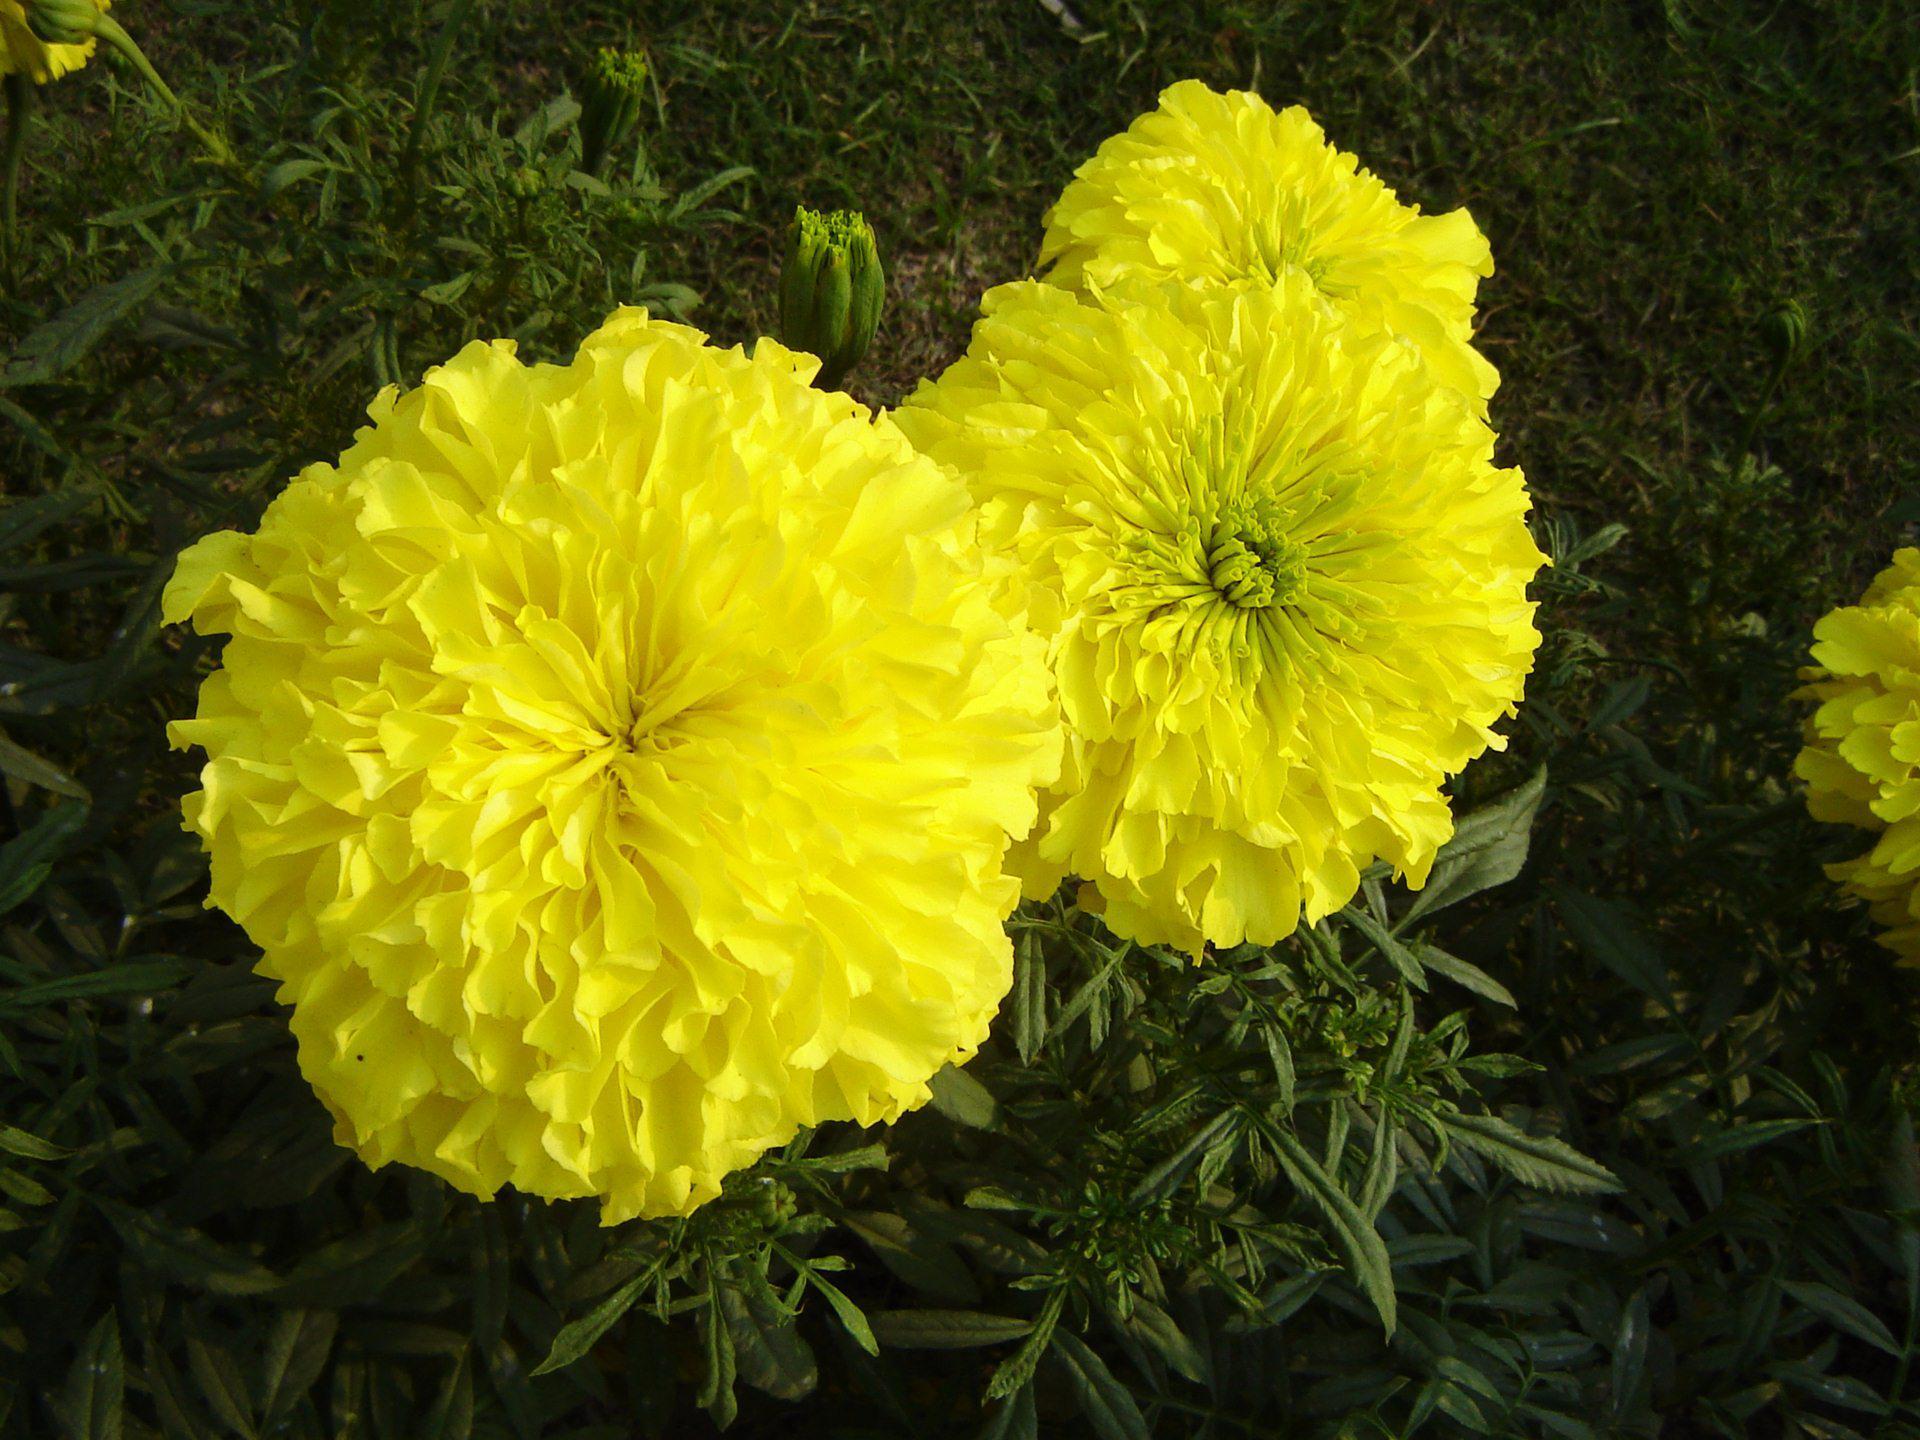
851, 1318
1014, 1418
62, 342
1161, 1333
27, 859
1609, 934
945, 1329
577, 1337
219, 1378
15, 1141
1462, 973
1366, 1252
963, 1099
1736, 1139
186, 1255
1387, 944
296, 1352
1537, 1160
1108, 1405
768, 1351
1016, 1371
23, 765
1844, 1313
1488, 848
96, 1384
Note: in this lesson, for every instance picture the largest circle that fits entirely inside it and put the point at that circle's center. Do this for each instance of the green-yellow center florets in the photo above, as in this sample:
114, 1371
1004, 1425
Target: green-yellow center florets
1251, 561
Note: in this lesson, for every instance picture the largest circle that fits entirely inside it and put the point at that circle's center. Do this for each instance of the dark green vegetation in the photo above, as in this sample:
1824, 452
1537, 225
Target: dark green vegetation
1194, 1191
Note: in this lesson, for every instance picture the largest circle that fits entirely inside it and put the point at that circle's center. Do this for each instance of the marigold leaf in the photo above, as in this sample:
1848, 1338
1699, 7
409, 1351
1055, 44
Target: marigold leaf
945, 1329
1366, 1252
96, 1384
1488, 848
1108, 1405
1537, 1160
62, 342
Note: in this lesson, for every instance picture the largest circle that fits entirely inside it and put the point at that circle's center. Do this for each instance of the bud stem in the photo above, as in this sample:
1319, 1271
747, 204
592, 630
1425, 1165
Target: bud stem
106, 28
1760, 408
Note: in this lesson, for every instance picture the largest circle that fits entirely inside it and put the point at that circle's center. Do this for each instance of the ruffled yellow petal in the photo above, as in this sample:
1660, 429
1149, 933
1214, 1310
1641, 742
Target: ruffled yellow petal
615, 763
1861, 763
1214, 189
1286, 590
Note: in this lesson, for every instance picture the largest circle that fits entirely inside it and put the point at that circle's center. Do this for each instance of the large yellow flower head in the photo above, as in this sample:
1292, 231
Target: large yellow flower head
1861, 763
24, 53
614, 763
1290, 587
1213, 189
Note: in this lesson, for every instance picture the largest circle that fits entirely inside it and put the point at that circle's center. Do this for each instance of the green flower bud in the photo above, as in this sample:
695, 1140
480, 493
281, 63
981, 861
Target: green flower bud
1783, 329
63, 22
832, 290
525, 183
610, 98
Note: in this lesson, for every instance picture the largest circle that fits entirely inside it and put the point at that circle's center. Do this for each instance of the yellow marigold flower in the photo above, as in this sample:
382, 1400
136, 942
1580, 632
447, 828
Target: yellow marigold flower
24, 53
1861, 763
1213, 188
614, 763
1289, 588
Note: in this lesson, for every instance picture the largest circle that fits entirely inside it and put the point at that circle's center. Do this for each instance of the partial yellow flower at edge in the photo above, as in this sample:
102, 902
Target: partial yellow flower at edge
1214, 188
1285, 586
23, 52
1861, 762
615, 763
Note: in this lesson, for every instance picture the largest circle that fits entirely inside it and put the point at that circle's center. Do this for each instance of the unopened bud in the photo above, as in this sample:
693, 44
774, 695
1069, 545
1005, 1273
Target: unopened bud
63, 22
832, 290
1784, 331
610, 98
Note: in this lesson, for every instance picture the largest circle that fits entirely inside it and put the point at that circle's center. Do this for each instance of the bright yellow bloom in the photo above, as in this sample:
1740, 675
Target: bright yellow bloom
1290, 588
1213, 188
1861, 763
615, 763
23, 52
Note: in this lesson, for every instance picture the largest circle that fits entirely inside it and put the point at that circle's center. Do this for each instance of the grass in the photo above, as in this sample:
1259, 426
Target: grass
1696, 1008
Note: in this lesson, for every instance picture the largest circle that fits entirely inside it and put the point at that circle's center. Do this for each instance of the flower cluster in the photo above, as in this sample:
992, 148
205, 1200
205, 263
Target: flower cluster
1861, 763
625, 763
1236, 440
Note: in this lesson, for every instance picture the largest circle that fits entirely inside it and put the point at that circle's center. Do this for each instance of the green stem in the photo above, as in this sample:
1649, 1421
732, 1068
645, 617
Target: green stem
1766, 398
110, 30
19, 92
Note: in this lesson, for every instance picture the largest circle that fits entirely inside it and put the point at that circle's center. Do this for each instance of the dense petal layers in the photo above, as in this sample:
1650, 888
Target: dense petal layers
615, 763
24, 53
1211, 188
1287, 588
1861, 763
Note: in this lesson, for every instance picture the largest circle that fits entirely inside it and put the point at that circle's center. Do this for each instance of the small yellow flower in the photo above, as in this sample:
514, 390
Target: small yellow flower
24, 53
1287, 590
614, 763
1861, 763
1213, 189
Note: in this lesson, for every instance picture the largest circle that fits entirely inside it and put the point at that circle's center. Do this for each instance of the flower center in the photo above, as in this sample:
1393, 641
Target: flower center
1251, 561
1281, 244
